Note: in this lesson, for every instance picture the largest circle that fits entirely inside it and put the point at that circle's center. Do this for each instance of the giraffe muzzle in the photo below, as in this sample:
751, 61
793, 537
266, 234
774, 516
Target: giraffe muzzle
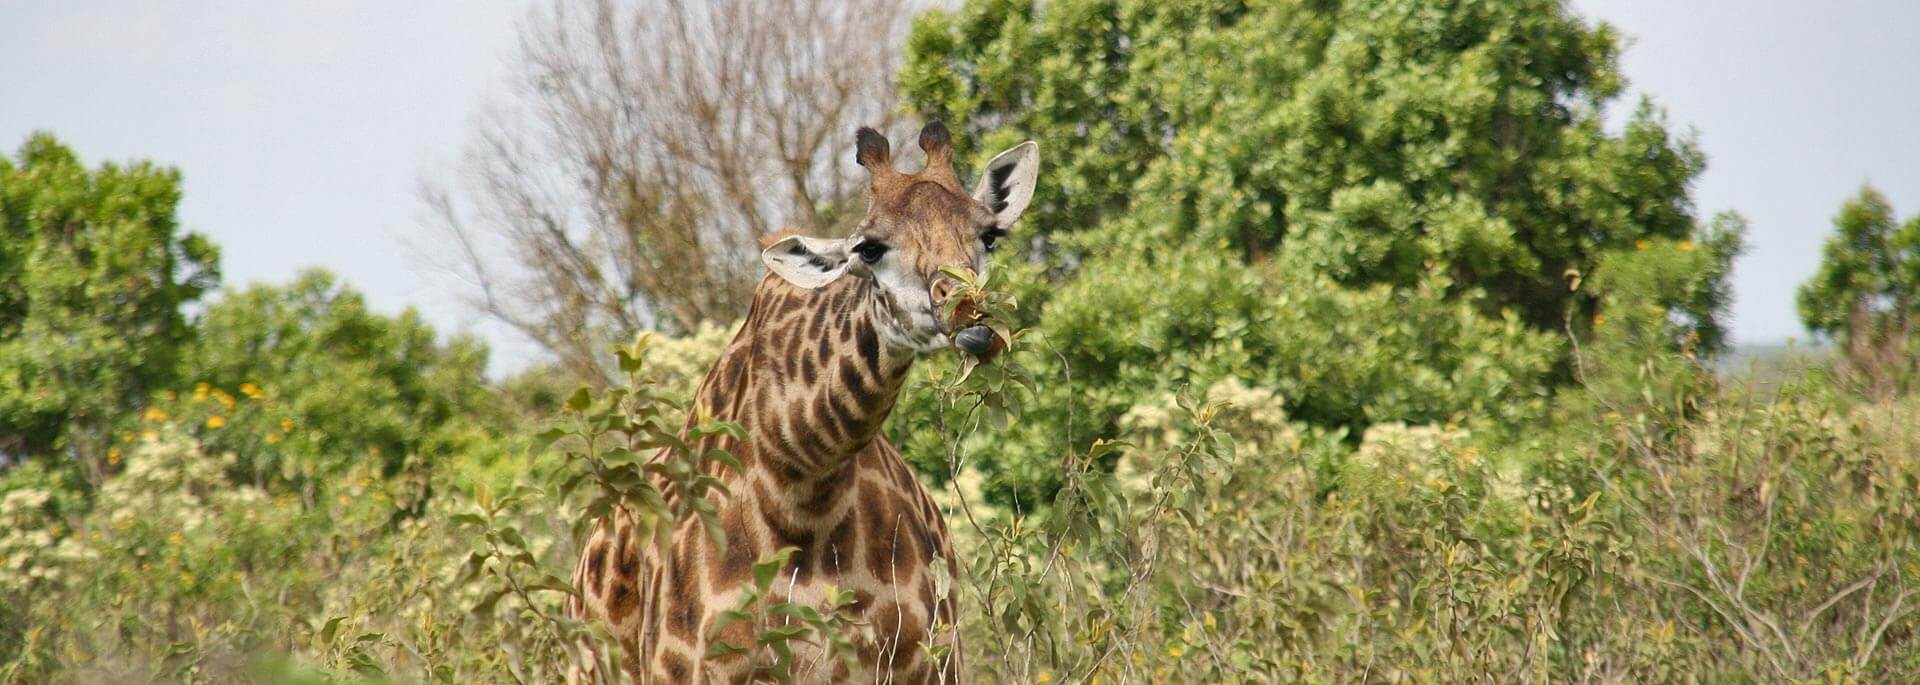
975, 337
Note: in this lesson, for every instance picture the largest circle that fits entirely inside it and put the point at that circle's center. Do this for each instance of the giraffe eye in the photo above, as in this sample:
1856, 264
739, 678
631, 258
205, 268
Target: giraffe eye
871, 251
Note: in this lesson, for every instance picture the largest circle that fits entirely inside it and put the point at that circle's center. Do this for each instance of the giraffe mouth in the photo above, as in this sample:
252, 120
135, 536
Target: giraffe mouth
977, 340
975, 337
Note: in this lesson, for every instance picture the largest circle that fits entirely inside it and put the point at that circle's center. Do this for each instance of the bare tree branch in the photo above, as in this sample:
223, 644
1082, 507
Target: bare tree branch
646, 145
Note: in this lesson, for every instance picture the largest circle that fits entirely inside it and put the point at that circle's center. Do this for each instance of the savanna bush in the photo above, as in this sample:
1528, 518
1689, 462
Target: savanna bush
1678, 531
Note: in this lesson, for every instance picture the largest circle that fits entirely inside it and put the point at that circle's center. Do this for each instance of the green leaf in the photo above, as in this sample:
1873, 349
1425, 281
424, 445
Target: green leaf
629, 362
619, 455
730, 617
963, 276
572, 483
545, 439
798, 612
512, 536
783, 634
332, 626
724, 457
765, 570
552, 583
485, 606
581, 399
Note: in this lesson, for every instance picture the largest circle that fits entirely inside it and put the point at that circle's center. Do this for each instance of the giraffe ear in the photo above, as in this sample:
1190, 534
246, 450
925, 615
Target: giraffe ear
1006, 185
809, 263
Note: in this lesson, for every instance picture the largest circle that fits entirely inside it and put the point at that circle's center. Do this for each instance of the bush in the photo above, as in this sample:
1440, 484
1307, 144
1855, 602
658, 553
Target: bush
1648, 527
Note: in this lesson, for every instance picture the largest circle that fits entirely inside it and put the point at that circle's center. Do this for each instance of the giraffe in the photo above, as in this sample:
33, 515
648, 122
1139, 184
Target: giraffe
813, 371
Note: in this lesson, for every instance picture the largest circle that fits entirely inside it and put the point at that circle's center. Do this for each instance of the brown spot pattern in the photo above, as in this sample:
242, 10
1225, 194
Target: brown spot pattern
811, 380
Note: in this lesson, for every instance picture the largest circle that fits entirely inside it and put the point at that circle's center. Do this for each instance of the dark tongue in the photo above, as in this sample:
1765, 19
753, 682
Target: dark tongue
975, 340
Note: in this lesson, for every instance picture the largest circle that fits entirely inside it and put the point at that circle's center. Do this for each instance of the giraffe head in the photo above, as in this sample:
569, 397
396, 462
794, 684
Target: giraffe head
917, 224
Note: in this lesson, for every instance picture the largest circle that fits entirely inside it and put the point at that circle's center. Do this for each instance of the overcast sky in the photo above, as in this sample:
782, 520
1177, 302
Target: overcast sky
303, 127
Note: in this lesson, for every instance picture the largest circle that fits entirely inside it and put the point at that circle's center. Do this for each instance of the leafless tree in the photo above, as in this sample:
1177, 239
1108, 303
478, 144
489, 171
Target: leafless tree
645, 147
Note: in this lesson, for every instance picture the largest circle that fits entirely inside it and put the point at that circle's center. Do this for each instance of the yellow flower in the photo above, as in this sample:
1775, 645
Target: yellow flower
224, 398
150, 435
154, 414
176, 539
1640, 244
251, 391
113, 455
1686, 246
274, 438
1043, 678
216, 421
1176, 651
1598, 319
286, 424
200, 391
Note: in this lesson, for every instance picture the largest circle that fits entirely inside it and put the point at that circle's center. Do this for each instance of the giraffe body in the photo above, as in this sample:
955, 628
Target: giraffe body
813, 373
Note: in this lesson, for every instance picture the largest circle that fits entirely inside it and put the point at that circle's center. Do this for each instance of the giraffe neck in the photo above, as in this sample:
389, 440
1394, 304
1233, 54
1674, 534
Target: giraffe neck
811, 376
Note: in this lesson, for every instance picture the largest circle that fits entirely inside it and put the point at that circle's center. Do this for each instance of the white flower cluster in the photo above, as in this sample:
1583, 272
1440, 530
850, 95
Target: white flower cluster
30, 552
1251, 413
679, 363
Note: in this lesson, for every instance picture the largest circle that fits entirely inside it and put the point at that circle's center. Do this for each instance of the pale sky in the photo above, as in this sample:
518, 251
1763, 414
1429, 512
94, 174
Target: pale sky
302, 128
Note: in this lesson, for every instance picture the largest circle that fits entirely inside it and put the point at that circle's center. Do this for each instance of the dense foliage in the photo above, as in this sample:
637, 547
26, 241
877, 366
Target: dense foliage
1657, 527
1350, 347
94, 270
332, 385
1380, 211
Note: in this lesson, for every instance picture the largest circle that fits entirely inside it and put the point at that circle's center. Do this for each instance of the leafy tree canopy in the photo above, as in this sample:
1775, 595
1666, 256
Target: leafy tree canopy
307, 380
1385, 211
94, 270
1869, 277
1867, 291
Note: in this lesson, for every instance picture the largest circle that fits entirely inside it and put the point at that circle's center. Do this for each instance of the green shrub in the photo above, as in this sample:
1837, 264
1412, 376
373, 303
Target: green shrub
1650, 526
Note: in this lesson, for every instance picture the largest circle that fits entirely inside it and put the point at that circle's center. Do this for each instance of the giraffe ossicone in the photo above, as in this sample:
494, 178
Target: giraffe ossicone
813, 372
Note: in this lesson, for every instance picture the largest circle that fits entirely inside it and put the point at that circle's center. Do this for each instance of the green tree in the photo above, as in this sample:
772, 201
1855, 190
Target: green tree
94, 270
303, 380
1867, 290
1381, 210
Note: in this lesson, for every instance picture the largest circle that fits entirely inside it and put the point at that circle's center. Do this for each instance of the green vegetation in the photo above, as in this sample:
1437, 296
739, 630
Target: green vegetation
93, 273
1352, 348
1382, 212
1867, 294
